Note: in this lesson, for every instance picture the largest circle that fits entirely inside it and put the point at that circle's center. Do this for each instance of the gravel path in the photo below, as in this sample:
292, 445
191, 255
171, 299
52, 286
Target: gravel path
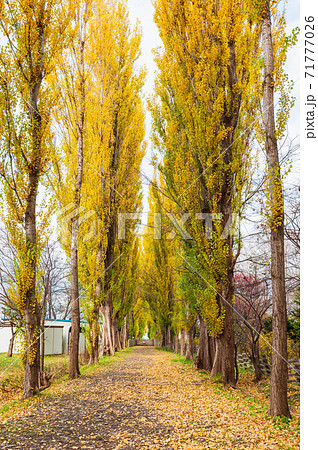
146, 401
104, 412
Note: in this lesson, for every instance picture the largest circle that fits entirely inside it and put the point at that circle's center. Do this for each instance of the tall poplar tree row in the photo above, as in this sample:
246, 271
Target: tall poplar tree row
102, 121
160, 254
35, 32
221, 61
125, 150
202, 125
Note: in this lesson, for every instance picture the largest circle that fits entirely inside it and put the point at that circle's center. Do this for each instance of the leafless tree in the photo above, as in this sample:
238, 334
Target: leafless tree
54, 283
251, 303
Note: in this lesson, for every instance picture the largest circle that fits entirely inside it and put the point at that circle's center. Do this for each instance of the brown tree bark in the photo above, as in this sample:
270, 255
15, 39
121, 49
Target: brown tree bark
42, 344
256, 361
74, 371
107, 343
224, 359
168, 338
182, 342
11, 342
163, 338
32, 310
124, 333
279, 371
189, 352
10, 348
95, 320
176, 343
205, 355
116, 335
217, 362
107, 347
95, 335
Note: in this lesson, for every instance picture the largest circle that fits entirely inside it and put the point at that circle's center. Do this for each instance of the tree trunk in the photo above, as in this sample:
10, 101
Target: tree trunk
107, 347
97, 301
95, 334
127, 329
217, 362
116, 337
224, 359
124, 332
74, 371
182, 343
10, 348
176, 343
119, 346
163, 338
279, 370
255, 360
189, 352
168, 338
32, 311
11, 342
75, 310
205, 355
122, 336
108, 344
113, 333
42, 341
32, 364
236, 365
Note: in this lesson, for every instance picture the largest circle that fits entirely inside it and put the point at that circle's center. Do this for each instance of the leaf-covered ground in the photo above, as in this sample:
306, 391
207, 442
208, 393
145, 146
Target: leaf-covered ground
12, 375
148, 401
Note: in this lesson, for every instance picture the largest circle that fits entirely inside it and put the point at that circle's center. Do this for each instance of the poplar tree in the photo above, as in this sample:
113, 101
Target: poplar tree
125, 150
160, 256
72, 79
275, 46
35, 33
106, 92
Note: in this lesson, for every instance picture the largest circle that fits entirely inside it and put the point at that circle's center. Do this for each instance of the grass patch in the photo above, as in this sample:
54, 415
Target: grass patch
182, 360
12, 373
255, 396
11, 382
9, 364
177, 358
244, 370
164, 349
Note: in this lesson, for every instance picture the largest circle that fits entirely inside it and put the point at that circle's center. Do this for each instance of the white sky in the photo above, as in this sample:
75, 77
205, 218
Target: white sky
143, 10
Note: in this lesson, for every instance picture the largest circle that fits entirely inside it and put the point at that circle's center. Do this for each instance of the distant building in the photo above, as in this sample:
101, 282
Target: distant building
56, 337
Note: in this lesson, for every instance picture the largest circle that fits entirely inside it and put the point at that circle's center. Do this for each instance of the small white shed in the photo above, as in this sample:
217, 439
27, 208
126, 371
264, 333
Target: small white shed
53, 340
5, 336
56, 337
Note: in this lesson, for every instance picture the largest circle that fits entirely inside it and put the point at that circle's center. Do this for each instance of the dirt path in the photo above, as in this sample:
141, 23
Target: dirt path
145, 402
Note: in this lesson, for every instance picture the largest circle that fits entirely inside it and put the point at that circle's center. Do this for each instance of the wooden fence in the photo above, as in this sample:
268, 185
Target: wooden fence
244, 362
149, 342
